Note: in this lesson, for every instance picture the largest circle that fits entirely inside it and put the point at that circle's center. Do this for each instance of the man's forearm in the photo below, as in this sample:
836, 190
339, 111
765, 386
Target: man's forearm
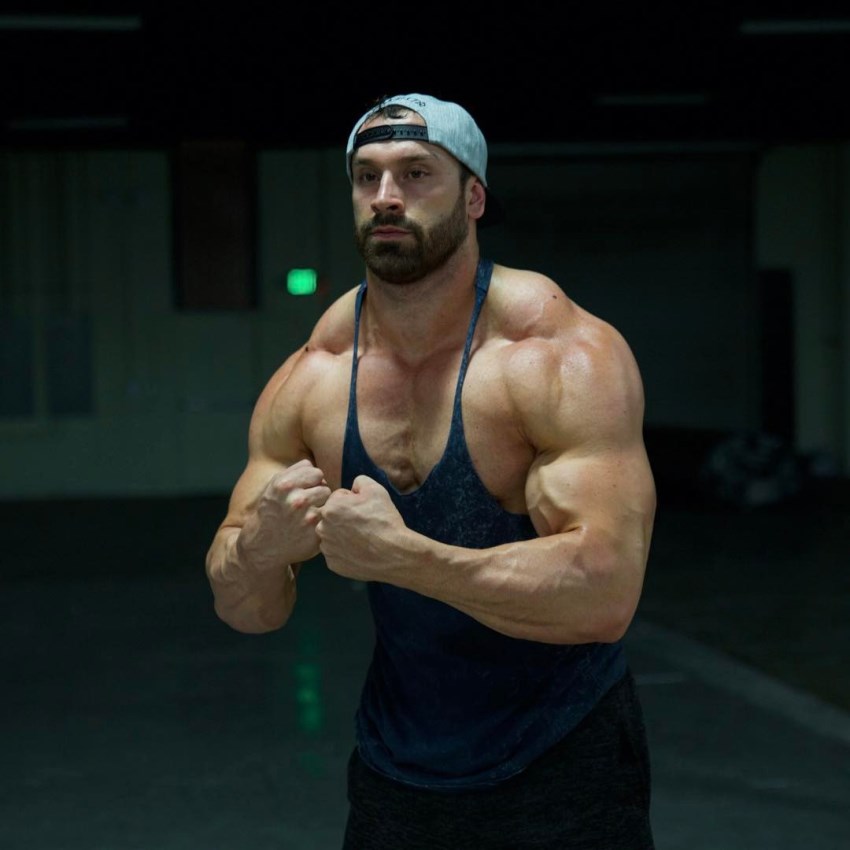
247, 598
564, 588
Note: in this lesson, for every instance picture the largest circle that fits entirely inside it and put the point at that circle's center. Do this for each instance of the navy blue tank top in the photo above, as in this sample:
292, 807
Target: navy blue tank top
449, 703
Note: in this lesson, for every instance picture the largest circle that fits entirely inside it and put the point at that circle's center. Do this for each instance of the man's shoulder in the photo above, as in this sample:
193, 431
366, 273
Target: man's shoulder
333, 333
545, 335
563, 366
529, 306
320, 357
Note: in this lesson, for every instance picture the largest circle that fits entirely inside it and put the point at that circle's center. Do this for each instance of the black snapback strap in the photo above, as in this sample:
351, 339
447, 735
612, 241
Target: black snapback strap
388, 132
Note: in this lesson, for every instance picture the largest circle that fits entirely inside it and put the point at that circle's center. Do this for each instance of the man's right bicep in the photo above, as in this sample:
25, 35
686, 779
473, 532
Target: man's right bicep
274, 433
274, 441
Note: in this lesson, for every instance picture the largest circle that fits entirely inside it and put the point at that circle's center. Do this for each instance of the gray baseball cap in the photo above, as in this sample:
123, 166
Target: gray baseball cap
447, 124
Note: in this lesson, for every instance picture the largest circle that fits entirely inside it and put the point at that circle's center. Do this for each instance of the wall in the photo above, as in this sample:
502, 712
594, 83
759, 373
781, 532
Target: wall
660, 247
803, 226
86, 238
131, 396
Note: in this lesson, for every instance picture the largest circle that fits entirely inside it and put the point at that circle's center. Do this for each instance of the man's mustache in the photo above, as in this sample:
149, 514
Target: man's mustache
388, 220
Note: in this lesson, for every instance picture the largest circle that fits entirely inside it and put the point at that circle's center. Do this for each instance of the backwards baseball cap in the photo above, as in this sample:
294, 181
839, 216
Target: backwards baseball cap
446, 124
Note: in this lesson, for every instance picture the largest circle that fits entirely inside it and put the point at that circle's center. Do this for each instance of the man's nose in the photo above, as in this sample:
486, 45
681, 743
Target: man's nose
388, 196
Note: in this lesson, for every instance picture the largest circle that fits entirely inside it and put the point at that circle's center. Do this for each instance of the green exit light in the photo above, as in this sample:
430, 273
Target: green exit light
301, 281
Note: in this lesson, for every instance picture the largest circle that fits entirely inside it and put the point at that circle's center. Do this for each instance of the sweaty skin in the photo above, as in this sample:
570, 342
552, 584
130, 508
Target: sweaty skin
553, 412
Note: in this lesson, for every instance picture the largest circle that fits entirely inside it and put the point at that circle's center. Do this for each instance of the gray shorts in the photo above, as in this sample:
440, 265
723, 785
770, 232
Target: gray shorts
590, 791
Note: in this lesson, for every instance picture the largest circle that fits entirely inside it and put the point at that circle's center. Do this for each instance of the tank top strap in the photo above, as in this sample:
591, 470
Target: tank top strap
482, 285
352, 390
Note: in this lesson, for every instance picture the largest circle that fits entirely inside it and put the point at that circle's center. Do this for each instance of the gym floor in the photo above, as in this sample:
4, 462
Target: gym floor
133, 718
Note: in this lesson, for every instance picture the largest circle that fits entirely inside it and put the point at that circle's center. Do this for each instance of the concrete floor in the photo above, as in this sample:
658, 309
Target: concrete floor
132, 718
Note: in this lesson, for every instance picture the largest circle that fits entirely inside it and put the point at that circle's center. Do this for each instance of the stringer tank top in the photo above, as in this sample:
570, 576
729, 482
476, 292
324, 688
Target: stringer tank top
449, 703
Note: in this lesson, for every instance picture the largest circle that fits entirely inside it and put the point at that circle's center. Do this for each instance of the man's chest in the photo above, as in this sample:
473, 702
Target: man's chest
404, 419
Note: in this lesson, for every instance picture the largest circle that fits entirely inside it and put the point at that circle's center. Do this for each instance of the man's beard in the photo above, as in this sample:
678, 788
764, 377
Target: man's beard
400, 263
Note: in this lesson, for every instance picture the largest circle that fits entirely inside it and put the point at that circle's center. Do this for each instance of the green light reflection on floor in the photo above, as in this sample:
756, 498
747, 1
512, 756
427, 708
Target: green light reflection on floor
308, 695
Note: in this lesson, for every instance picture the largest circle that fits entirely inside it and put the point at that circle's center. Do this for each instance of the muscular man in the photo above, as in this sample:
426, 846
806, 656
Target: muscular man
468, 441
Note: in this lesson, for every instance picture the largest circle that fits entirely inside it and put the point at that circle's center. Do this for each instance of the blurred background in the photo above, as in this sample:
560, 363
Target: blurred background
174, 217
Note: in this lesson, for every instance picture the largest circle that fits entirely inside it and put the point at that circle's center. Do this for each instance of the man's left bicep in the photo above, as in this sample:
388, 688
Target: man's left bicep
607, 493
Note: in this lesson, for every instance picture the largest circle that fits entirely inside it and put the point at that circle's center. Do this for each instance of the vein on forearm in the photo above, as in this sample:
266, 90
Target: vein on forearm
571, 587
245, 598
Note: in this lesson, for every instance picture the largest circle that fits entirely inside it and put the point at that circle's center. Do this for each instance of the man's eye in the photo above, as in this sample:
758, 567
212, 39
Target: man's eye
417, 173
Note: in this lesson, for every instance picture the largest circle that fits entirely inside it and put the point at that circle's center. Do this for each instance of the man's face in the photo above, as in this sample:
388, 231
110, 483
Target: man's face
410, 212
422, 249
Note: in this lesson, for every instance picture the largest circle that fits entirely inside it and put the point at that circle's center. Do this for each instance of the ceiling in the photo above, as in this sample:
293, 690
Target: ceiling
153, 74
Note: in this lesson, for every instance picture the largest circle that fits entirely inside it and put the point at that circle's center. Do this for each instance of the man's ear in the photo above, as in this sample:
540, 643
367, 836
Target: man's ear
477, 198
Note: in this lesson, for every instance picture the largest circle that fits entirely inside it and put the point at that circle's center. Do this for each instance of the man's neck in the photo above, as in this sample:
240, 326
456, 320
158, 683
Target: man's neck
415, 320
